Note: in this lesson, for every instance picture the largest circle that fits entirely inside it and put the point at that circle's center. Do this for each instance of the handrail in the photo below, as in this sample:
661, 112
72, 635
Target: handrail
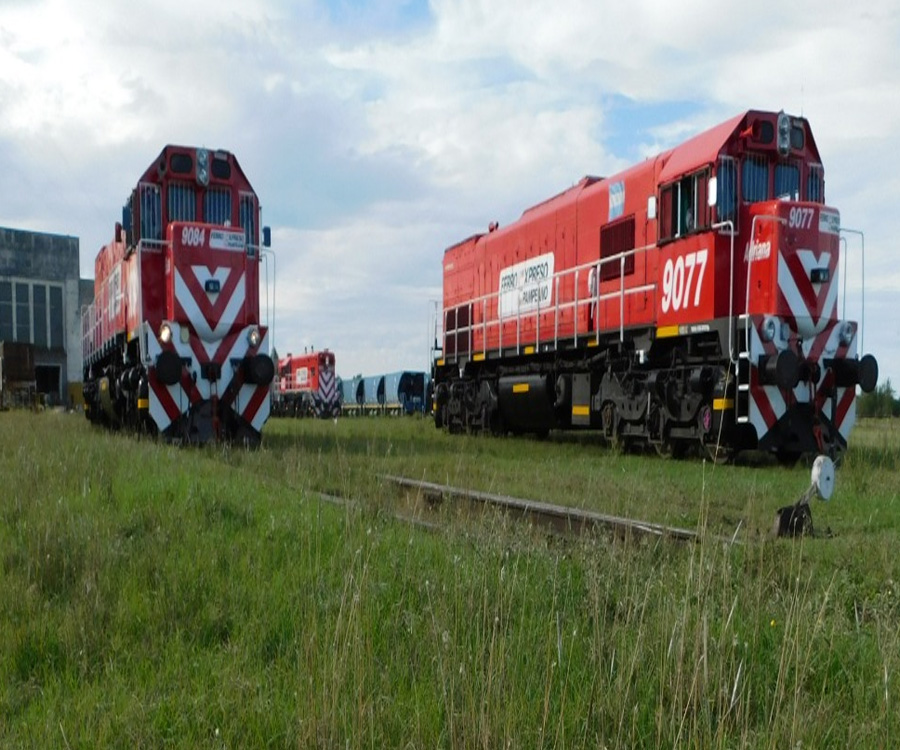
770, 217
493, 320
265, 255
721, 225
89, 338
621, 298
862, 314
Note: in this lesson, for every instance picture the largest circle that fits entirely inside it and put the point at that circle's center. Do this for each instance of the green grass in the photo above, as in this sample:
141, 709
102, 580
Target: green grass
161, 597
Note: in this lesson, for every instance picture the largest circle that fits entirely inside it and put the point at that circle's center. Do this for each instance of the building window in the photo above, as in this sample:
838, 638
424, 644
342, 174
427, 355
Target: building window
23, 313
39, 291
6, 311
57, 326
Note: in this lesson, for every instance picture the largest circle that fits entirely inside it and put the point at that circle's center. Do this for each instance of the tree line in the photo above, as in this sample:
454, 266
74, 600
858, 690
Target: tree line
882, 402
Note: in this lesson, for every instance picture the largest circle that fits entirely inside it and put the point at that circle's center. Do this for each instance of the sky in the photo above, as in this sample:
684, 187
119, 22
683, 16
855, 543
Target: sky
378, 133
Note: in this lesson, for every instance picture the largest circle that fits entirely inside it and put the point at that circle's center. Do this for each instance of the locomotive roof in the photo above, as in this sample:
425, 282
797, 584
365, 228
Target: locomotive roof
156, 170
693, 154
569, 193
704, 148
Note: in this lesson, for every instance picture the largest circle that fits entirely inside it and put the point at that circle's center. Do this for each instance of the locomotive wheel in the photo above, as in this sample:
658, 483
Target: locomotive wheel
611, 431
656, 427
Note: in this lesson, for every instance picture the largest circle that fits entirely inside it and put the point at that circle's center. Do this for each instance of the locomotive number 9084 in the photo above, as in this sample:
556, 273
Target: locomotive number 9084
193, 236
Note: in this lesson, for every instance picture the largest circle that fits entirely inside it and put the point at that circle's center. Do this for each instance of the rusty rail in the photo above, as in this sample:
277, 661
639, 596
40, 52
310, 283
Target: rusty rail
560, 518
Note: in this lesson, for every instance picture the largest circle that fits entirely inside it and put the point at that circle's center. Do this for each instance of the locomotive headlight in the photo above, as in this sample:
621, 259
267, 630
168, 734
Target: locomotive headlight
845, 334
769, 329
784, 133
253, 337
203, 166
165, 333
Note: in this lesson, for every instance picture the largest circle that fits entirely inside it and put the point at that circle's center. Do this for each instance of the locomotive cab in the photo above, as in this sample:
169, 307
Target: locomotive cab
797, 357
173, 343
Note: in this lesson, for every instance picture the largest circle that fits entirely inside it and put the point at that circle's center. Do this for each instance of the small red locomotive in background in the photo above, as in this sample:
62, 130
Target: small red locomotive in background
307, 386
691, 300
173, 342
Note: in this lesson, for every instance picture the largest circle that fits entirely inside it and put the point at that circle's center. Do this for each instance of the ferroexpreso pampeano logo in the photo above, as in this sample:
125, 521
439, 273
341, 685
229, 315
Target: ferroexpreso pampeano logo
527, 286
223, 239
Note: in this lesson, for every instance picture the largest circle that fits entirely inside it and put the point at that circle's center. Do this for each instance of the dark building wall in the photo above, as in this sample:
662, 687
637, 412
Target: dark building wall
35, 255
41, 297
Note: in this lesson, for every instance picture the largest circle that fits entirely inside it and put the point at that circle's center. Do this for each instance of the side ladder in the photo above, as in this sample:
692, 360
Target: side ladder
742, 371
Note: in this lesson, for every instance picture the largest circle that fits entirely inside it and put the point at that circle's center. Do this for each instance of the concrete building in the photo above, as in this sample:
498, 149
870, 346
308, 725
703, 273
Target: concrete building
41, 296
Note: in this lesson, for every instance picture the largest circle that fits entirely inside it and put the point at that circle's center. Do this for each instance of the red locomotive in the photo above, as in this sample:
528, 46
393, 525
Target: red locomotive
307, 386
173, 342
689, 300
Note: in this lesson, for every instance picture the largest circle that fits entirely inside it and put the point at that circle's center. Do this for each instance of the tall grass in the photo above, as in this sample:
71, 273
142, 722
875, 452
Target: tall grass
152, 596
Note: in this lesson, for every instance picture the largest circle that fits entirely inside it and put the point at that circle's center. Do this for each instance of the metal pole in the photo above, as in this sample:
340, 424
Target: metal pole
265, 254
719, 225
843, 240
621, 298
862, 314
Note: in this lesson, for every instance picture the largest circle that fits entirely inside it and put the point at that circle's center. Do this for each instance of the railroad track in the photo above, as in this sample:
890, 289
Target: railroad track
559, 518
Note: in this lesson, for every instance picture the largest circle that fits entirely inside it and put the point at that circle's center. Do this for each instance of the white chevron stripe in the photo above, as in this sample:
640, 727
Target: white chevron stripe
210, 336
157, 411
769, 394
245, 395
202, 274
801, 394
807, 324
204, 387
327, 386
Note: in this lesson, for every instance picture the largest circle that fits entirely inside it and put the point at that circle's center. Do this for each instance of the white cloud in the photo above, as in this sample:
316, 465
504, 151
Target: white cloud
378, 134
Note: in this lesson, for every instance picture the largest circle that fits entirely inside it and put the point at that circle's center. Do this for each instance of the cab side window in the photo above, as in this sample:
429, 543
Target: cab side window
683, 206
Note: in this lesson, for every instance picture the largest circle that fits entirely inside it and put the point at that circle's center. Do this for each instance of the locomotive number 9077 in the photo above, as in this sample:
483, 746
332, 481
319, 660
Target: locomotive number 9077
801, 218
193, 236
683, 281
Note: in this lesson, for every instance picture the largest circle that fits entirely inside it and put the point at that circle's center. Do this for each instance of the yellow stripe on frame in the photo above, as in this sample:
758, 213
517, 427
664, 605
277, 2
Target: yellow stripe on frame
478, 357
529, 350
581, 411
721, 404
520, 388
664, 332
440, 362
143, 403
